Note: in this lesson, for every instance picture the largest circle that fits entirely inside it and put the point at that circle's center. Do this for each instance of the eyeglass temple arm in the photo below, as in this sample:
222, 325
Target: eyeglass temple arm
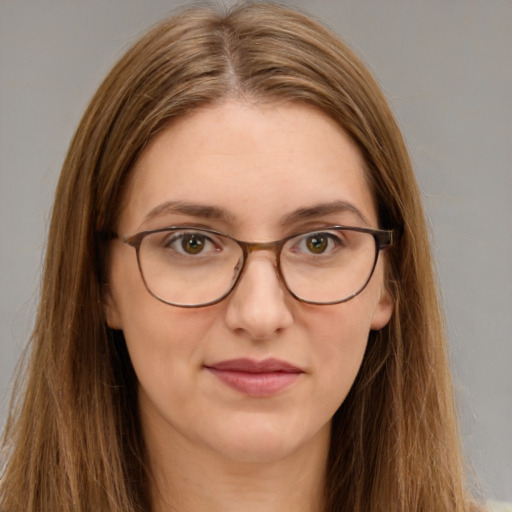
386, 238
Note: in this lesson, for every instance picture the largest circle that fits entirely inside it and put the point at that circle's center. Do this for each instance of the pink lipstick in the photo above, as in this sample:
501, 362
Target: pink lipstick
256, 378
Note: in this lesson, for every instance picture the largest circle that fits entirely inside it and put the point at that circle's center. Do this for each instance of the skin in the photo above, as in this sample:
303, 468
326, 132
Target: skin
212, 447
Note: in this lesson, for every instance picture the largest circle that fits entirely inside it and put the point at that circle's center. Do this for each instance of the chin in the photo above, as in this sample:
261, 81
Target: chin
266, 441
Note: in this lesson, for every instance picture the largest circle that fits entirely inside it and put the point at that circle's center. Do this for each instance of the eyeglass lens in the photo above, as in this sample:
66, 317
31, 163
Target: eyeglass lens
195, 267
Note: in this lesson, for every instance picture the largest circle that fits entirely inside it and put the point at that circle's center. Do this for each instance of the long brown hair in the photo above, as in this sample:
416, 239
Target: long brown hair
73, 440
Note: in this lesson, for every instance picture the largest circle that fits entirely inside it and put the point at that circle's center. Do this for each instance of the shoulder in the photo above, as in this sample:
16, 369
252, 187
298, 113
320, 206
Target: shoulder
498, 506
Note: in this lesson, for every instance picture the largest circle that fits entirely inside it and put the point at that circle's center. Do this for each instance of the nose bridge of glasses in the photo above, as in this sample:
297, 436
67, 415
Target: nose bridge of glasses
273, 247
262, 246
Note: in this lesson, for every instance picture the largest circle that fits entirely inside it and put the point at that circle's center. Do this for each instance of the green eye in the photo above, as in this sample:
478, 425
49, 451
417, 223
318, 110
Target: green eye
317, 244
193, 244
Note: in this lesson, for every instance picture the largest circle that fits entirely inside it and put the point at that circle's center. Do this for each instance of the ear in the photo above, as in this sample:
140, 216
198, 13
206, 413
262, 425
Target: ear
110, 309
383, 310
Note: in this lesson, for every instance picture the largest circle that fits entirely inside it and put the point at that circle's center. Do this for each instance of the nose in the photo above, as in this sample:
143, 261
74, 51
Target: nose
259, 305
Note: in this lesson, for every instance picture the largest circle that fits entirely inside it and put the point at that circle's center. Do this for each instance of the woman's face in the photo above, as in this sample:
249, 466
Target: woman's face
258, 174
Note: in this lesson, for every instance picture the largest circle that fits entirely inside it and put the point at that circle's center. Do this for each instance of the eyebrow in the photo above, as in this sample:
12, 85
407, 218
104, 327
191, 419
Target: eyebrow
218, 213
321, 209
191, 209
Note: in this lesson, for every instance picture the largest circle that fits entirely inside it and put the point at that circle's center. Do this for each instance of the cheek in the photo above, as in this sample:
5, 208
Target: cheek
166, 347
164, 342
340, 339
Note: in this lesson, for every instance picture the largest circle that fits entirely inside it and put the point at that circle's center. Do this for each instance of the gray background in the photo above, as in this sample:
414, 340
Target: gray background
446, 68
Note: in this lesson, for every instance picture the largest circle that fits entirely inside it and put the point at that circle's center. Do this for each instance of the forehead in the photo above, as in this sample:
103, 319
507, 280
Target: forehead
256, 163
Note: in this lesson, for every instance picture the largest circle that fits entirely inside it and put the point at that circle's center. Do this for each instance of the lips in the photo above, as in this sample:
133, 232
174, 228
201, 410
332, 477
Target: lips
256, 378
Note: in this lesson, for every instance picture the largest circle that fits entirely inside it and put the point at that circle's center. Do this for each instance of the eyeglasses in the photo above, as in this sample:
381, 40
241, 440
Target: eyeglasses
190, 268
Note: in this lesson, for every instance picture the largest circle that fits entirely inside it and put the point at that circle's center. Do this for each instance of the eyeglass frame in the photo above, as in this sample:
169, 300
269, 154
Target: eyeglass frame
383, 238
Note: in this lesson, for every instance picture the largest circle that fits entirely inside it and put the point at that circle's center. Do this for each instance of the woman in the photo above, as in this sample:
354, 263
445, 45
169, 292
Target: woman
238, 310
